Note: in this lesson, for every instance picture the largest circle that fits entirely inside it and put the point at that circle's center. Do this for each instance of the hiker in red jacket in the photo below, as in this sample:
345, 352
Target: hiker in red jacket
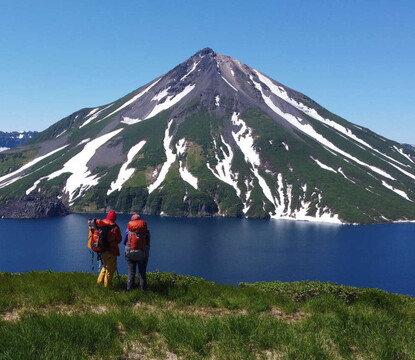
109, 257
137, 250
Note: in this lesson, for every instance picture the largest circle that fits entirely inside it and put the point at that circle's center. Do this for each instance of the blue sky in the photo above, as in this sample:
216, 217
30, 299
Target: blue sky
356, 58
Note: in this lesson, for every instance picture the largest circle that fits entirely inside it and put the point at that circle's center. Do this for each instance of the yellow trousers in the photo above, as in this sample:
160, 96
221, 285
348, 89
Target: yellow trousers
109, 262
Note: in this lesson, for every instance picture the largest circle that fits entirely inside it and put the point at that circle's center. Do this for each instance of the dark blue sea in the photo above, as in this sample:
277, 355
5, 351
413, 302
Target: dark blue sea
228, 251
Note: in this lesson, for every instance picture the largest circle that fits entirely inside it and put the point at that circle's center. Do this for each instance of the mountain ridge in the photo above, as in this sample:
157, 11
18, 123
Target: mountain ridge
214, 136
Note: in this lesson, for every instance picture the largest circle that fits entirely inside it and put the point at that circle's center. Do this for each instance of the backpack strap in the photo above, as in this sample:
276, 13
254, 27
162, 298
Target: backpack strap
139, 235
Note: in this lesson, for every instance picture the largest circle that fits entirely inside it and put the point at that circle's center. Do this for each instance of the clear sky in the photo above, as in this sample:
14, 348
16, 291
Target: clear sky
356, 58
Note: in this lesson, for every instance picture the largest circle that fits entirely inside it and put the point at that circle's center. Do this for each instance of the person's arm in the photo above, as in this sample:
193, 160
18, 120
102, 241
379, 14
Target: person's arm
124, 241
118, 236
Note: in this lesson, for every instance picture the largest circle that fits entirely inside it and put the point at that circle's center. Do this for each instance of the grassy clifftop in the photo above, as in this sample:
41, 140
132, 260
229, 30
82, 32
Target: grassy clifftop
45, 315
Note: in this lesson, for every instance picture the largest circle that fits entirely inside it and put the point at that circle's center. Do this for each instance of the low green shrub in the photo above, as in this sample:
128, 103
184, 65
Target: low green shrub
303, 290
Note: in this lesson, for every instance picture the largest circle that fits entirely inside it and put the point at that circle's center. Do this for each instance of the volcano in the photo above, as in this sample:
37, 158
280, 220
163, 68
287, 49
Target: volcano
215, 137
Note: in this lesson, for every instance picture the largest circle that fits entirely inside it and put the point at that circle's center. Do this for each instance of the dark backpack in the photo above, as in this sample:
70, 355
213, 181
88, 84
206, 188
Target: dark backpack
97, 237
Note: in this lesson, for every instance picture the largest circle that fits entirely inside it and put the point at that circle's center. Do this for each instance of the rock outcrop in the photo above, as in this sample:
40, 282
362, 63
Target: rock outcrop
33, 207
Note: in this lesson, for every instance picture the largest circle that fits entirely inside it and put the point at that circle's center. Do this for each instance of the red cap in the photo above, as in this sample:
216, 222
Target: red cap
135, 217
112, 215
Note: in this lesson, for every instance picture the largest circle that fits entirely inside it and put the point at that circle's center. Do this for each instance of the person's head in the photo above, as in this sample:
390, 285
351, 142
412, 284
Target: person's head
135, 217
112, 215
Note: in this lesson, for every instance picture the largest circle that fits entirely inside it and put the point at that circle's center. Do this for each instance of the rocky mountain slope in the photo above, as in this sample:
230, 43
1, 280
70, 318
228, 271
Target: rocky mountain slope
214, 136
33, 206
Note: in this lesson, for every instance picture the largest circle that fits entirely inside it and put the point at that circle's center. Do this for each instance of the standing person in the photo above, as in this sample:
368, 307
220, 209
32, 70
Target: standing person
109, 257
137, 250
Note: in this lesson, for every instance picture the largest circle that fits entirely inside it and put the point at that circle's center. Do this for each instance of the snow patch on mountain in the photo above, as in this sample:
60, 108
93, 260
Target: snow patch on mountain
412, 176
223, 168
397, 191
185, 174
323, 166
93, 111
322, 214
301, 212
133, 99
81, 178
171, 158
170, 101
281, 93
233, 87
280, 209
181, 147
340, 170
84, 141
125, 172
244, 139
3, 149
129, 121
309, 130
63, 132
159, 107
400, 151
28, 165
282, 204
194, 66
93, 114
248, 202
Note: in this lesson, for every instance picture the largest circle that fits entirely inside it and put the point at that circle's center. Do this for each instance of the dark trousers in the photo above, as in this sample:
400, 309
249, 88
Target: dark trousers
142, 269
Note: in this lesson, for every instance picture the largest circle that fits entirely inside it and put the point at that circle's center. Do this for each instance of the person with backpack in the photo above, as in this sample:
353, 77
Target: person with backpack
106, 244
137, 250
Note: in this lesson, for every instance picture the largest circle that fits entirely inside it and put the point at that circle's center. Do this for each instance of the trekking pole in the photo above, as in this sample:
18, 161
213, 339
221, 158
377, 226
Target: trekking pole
92, 261
118, 276
100, 262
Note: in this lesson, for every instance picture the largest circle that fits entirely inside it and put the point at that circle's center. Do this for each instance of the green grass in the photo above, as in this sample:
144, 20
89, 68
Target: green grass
11, 162
46, 315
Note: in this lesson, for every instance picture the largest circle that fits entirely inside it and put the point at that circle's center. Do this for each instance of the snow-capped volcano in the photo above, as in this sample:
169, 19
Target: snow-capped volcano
214, 136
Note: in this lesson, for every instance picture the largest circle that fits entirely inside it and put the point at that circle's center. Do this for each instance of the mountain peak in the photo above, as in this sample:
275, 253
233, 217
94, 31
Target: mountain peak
206, 51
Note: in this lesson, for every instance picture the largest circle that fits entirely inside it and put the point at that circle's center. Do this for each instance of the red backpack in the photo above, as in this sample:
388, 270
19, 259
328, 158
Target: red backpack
97, 236
137, 235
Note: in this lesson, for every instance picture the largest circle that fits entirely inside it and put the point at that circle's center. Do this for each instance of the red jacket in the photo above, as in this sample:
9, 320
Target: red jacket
114, 237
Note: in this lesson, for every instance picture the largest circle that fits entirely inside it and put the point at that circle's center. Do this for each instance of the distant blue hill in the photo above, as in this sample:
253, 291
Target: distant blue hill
12, 139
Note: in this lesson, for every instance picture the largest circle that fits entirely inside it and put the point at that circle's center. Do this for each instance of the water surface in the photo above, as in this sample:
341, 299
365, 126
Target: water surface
228, 250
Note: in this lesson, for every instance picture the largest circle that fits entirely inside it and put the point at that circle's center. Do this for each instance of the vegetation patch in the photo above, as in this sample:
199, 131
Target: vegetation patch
63, 309
303, 290
13, 161
46, 315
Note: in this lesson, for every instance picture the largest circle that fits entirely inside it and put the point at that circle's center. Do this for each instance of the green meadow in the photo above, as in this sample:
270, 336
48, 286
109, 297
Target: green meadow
47, 315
